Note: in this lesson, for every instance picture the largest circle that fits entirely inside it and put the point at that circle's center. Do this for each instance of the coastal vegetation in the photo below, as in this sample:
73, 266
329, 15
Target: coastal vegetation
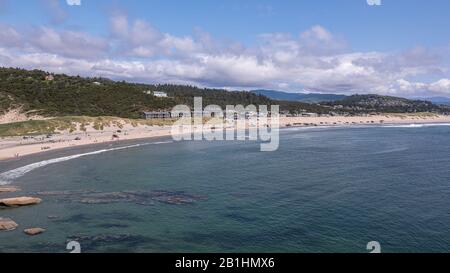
71, 124
63, 95
78, 124
384, 104
39, 93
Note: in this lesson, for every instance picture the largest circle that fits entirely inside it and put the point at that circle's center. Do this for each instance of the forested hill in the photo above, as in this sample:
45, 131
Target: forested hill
386, 104
67, 95
38, 92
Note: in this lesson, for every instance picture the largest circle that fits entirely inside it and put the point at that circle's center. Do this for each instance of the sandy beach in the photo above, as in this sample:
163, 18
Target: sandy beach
14, 147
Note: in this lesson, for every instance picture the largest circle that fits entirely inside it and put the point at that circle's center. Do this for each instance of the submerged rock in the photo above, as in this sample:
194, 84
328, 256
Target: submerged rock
19, 201
7, 224
102, 238
34, 231
64, 193
145, 198
9, 189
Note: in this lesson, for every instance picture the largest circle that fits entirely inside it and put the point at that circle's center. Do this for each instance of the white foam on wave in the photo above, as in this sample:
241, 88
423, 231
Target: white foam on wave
415, 125
306, 128
9, 176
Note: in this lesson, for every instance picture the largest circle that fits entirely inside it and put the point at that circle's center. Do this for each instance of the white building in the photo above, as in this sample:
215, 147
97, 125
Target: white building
160, 94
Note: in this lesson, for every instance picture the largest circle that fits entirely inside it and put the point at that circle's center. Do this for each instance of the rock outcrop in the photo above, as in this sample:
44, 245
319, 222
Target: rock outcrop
7, 224
34, 231
19, 201
9, 189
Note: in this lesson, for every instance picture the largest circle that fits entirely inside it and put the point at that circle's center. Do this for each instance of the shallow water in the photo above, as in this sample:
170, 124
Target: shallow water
324, 190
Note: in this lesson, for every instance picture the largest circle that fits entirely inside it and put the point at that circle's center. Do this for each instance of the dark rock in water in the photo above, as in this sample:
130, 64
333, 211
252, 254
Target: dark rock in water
93, 201
145, 198
145, 203
176, 200
114, 216
63, 193
100, 238
113, 226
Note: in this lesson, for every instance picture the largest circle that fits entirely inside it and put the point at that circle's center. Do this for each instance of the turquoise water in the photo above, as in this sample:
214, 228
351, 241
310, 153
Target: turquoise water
324, 190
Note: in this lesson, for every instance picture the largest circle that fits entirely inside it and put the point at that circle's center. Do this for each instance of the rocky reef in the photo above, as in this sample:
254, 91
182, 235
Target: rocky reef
34, 231
137, 197
7, 224
19, 201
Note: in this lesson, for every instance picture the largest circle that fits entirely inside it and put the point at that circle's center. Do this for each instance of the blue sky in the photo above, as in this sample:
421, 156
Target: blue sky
346, 46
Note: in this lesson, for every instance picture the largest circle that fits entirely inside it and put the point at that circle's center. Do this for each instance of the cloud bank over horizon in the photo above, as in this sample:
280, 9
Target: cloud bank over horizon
313, 60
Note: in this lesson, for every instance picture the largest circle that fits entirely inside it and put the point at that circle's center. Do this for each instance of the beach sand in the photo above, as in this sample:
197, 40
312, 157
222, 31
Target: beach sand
13, 147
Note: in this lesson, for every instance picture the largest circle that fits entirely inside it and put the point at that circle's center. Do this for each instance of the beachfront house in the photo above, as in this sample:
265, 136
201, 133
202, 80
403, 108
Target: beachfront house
156, 115
160, 94
311, 115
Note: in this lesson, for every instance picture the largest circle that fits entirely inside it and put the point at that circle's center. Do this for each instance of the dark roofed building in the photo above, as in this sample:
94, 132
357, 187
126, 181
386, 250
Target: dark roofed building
156, 115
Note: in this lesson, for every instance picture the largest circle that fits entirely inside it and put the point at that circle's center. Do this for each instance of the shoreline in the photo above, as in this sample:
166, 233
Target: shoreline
18, 147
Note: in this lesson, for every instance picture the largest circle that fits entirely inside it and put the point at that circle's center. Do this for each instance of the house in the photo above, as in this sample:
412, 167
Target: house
310, 115
156, 115
160, 94
49, 78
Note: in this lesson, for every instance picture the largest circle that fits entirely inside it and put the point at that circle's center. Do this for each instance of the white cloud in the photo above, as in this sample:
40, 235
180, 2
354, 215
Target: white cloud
314, 60
9, 36
442, 86
140, 39
68, 43
119, 25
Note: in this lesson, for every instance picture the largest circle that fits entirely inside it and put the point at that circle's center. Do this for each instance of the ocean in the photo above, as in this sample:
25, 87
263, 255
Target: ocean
324, 190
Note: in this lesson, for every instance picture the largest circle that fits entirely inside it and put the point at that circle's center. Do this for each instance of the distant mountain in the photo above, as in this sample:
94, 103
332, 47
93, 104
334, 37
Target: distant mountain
303, 97
439, 100
386, 104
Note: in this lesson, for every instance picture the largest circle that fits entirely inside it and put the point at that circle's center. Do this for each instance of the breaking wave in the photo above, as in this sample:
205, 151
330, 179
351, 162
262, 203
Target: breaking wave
9, 176
415, 125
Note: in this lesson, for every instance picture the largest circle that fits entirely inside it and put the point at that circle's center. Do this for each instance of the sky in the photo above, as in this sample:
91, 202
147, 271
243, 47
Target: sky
392, 47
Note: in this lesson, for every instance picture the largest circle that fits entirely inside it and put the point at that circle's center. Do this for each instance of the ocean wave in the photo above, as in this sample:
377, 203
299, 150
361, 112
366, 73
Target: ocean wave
415, 125
9, 176
393, 150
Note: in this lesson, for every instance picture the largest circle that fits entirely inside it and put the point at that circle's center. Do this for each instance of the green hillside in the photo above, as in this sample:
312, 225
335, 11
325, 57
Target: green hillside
78, 96
385, 104
63, 95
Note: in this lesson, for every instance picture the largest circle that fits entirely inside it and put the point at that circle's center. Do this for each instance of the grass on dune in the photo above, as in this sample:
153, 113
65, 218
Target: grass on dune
71, 124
